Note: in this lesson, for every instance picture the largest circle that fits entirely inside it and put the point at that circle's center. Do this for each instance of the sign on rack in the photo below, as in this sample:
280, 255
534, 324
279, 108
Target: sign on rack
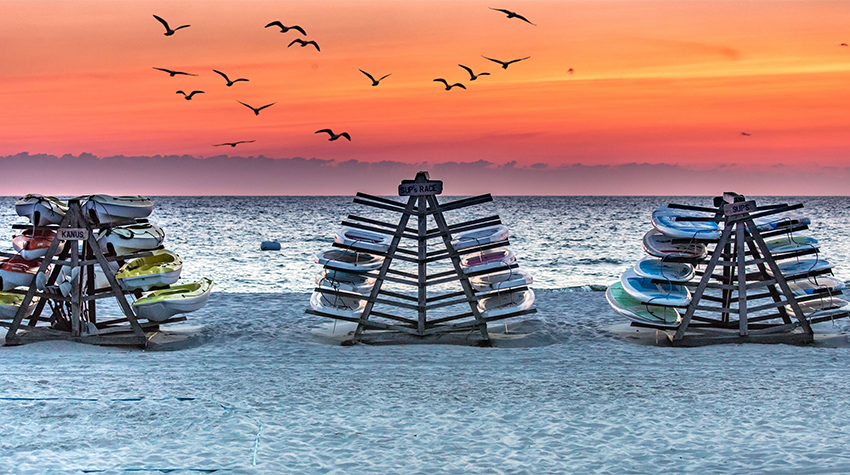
420, 187
73, 234
740, 207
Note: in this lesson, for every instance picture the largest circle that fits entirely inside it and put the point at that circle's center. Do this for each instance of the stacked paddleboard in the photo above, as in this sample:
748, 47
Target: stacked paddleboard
656, 291
345, 269
492, 272
132, 245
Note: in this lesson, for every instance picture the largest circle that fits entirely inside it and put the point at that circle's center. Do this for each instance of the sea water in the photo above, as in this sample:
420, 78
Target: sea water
261, 394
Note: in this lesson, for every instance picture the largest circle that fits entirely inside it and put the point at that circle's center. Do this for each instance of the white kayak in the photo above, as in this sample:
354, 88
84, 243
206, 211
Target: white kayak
336, 305
160, 305
489, 259
480, 237
786, 244
362, 239
824, 307
10, 303
504, 303
500, 280
665, 220
825, 284
158, 270
41, 210
639, 312
779, 221
802, 267
656, 293
658, 244
129, 238
105, 209
347, 281
349, 260
658, 269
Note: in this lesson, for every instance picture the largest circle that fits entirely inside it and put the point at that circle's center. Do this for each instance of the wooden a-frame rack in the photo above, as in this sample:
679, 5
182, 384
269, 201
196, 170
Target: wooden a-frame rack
74, 316
755, 303
380, 325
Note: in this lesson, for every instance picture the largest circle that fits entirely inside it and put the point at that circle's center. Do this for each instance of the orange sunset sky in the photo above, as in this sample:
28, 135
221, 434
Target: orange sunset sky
657, 82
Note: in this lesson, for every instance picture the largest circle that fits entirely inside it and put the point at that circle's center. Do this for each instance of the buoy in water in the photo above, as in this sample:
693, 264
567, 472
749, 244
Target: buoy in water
269, 246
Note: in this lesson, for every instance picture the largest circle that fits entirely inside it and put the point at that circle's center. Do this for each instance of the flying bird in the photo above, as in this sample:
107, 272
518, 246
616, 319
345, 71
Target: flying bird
505, 64
229, 82
333, 135
374, 82
511, 14
304, 43
570, 71
284, 29
168, 30
257, 110
448, 88
843, 44
232, 144
174, 73
473, 76
744, 133
189, 96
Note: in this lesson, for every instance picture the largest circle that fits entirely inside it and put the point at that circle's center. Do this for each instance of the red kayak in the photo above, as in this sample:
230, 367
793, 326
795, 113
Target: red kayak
18, 271
33, 245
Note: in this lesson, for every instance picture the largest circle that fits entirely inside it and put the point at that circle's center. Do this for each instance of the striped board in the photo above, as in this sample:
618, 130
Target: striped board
636, 311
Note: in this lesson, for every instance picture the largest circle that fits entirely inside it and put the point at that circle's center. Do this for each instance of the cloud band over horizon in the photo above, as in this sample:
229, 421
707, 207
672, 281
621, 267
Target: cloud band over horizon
71, 175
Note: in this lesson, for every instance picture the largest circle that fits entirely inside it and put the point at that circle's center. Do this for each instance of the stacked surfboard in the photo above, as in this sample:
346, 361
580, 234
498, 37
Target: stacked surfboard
346, 269
656, 290
489, 269
122, 232
492, 271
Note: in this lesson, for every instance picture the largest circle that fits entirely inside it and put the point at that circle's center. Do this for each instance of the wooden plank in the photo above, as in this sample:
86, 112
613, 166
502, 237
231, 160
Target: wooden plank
448, 303
444, 280
377, 205
366, 227
398, 295
707, 308
403, 274
444, 296
437, 208
396, 318
422, 270
467, 226
398, 204
742, 279
379, 223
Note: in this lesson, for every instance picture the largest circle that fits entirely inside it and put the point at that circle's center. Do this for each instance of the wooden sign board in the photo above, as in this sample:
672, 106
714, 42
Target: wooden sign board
741, 207
72, 234
420, 188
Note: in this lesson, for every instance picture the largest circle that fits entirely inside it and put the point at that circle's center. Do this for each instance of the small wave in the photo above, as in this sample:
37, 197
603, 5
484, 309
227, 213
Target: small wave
599, 260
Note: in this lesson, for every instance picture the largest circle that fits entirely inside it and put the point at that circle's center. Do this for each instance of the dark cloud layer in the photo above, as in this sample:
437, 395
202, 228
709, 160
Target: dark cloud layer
224, 175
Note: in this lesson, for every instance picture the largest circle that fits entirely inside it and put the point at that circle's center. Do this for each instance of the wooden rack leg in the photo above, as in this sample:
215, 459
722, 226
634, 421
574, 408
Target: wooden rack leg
367, 310
464, 280
743, 328
695, 298
422, 254
780, 279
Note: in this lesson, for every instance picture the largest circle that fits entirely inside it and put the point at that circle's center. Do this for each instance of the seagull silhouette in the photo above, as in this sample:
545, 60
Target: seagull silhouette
232, 144
189, 96
843, 44
448, 88
229, 82
570, 71
505, 64
374, 82
512, 15
284, 29
257, 110
473, 76
744, 133
174, 73
168, 30
304, 43
333, 135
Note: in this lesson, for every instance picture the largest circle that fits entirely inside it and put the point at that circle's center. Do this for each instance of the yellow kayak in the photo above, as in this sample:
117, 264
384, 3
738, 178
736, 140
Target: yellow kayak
162, 304
158, 270
9, 304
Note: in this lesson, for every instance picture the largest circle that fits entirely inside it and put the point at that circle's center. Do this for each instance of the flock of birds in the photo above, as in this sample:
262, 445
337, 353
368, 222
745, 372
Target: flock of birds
303, 43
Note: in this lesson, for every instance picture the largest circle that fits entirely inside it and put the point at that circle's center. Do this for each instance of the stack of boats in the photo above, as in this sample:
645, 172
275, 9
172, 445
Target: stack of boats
656, 290
489, 269
133, 245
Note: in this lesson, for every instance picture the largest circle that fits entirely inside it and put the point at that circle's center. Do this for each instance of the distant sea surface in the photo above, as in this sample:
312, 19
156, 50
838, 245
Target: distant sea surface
565, 242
